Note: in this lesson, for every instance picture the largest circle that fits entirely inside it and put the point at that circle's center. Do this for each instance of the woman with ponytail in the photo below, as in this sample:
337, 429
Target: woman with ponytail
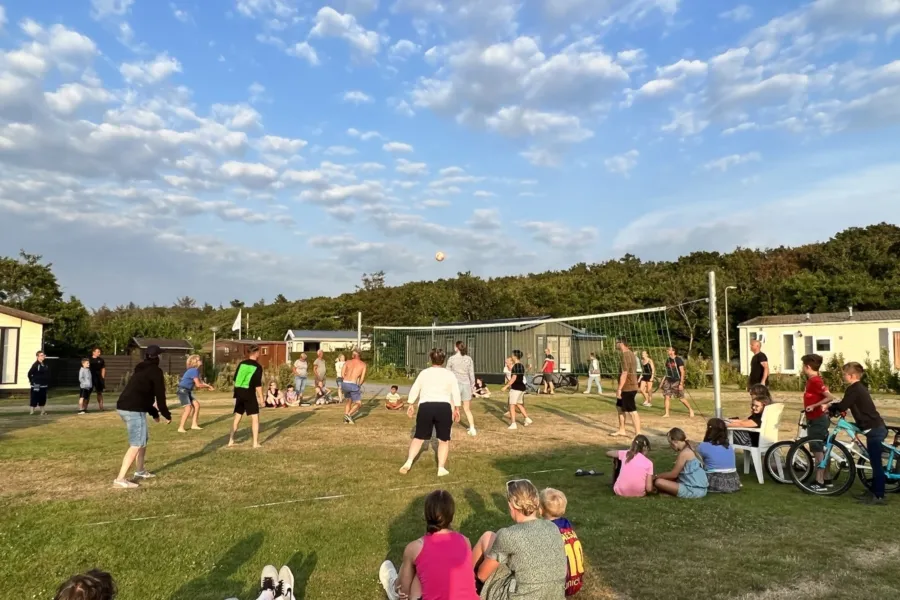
632, 470
687, 479
437, 566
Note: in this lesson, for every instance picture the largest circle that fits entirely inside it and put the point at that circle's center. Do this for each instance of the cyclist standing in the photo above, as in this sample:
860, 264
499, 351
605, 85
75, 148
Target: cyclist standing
858, 400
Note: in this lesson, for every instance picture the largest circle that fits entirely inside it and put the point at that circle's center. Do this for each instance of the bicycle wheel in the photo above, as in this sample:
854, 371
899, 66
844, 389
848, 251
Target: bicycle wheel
776, 462
840, 468
891, 486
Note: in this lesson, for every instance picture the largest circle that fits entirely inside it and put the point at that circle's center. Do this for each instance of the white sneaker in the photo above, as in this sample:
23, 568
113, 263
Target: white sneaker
472, 432
585, 392
145, 474
528, 422
286, 583
124, 483
387, 575
513, 426
268, 580
443, 472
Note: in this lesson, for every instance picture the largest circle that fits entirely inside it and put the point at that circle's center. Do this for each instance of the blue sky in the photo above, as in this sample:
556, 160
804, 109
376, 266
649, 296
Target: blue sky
243, 148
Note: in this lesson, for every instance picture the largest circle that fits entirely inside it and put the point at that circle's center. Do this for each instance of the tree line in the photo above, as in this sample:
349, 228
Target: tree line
858, 267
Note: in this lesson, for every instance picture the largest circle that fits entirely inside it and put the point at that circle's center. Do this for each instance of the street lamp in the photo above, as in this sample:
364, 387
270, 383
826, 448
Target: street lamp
214, 330
727, 329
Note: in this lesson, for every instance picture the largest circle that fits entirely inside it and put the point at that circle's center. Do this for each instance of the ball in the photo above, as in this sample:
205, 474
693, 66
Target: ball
439, 256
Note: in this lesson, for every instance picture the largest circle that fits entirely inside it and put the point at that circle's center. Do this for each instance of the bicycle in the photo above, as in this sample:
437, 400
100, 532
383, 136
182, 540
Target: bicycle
842, 460
776, 458
567, 382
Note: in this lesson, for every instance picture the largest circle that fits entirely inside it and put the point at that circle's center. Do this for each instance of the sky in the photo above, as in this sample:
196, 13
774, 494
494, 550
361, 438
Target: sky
226, 149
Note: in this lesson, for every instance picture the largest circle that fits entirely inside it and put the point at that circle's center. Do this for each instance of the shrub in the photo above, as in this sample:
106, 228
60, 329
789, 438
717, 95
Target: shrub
732, 375
833, 373
281, 374
880, 375
695, 372
780, 382
225, 378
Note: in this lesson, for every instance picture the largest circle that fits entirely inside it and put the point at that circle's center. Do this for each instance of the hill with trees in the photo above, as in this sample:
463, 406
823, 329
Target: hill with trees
859, 267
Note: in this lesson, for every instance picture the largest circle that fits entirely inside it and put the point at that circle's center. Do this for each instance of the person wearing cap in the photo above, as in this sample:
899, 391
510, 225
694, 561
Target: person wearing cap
145, 393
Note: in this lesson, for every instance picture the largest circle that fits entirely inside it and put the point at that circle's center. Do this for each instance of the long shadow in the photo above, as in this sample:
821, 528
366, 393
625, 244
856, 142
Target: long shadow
574, 418
409, 526
302, 567
11, 422
278, 427
219, 442
366, 407
221, 576
496, 411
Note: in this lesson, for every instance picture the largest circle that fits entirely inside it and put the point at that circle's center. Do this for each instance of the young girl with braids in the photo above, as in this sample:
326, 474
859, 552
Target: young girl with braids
632, 470
687, 479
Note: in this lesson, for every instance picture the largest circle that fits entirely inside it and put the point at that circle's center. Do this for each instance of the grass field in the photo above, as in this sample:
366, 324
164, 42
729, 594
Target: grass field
200, 539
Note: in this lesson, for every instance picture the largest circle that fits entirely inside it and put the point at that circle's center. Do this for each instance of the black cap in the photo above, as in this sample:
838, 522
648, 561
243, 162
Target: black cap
152, 351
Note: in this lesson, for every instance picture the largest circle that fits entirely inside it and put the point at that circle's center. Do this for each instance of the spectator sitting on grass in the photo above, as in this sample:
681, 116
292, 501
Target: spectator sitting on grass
481, 390
687, 479
553, 507
632, 469
718, 458
274, 397
393, 400
323, 394
526, 559
93, 585
291, 397
437, 565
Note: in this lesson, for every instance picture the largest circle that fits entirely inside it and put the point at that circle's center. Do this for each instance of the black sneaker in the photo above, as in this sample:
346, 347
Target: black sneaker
818, 488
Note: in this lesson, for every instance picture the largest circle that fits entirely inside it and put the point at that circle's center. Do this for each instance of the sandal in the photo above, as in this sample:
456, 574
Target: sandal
589, 473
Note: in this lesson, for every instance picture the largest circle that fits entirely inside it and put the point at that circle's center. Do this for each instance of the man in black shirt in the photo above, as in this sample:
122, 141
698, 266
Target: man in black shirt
759, 366
516, 387
248, 394
858, 400
98, 375
39, 379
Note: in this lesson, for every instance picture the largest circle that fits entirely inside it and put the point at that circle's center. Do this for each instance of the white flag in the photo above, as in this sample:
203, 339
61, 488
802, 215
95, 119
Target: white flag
236, 326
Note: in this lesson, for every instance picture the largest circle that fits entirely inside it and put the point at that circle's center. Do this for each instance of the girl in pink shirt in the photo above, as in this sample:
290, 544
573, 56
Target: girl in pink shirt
633, 471
437, 566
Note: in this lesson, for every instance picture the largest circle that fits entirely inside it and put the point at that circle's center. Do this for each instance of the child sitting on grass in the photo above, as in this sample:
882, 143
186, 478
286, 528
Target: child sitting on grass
290, 396
481, 390
553, 508
323, 394
687, 479
274, 397
393, 400
632, 470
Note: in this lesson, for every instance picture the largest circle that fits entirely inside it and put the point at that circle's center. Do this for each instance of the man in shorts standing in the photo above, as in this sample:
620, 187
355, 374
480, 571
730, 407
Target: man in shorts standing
319, 368
98, 375
673, 383
354, 377
628, 389
248, 378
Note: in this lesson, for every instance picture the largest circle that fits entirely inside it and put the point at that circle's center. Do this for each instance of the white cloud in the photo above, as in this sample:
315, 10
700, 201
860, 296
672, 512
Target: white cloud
310, 177
370, 166
746, 126
738, 14
357, 97
487, 219
2, 17
330, 23
366, 191
282, 9
237, 116
452, 172
101, 9
404, 49
249, 174
684, 68
256, 91
305, 51
727, 162
658, 87
401, 107
622, 164
561, 235
71, 96
340, 151
435, 203
411, 168
476, 17
685, 123
160, 68
484, 194
556, 127
179, 14
364, 135
281, 145
396, 147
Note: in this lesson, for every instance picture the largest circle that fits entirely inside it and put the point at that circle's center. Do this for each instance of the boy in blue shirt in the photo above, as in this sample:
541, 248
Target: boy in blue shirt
86, 384
190, 381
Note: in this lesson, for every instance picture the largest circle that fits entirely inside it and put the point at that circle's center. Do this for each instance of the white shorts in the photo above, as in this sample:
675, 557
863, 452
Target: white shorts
516, 397
465, 392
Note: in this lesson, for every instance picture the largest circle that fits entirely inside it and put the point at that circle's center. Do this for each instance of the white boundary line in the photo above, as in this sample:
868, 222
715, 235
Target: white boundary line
319, 498
513, 324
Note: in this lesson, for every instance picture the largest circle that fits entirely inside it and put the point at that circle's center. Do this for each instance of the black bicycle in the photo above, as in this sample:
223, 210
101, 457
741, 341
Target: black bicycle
566, 382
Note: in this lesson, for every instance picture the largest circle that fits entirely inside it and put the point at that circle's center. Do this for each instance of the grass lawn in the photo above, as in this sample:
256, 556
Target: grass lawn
198, 531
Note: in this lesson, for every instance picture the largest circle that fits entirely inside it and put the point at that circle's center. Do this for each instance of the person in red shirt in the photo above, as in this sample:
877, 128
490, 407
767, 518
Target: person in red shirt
815, 399
547, 370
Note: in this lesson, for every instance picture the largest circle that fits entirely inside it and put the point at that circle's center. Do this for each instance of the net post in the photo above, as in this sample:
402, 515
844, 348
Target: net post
359, 331
714, 332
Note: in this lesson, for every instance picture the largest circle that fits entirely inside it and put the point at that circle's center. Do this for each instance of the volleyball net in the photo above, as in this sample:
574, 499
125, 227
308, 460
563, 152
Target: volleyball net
571, 341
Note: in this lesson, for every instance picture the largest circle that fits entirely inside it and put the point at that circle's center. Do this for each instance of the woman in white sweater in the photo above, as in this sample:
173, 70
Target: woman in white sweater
462, 367
437, 392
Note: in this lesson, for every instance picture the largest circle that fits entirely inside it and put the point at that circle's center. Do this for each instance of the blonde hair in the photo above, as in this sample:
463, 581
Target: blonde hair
553, 503
193, 360
523, 496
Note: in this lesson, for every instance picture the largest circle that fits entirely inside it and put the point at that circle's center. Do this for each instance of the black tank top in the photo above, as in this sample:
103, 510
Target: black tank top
646, 369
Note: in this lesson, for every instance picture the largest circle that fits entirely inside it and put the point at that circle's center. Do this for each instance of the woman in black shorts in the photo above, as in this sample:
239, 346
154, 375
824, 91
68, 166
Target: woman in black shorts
648, 372
437, 392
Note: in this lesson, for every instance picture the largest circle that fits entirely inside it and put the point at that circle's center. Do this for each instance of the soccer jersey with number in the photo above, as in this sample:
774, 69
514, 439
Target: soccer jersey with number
574, 554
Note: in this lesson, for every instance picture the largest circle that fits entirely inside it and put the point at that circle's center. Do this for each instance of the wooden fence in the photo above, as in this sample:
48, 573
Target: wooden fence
64, 371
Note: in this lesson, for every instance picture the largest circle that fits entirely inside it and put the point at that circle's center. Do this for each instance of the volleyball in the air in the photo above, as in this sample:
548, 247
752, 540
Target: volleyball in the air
439, 256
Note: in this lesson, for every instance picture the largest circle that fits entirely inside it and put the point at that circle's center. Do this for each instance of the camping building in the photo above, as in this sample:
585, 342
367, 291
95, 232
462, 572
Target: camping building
234, 351
311, 340
857, 335
138, 345
21, 337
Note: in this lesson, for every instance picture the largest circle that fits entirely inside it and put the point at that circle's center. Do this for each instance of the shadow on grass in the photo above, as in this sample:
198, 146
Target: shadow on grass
366, 407
278, 427
302, 567
18, 421
575, 418
220, 578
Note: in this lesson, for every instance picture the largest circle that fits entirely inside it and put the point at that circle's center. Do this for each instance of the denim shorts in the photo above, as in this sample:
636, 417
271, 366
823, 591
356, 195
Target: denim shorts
136, 423
185, 396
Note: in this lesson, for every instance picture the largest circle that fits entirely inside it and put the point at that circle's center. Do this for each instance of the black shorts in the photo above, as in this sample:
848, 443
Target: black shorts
99, 386
85, 394
626, 402
437, 416
38, 397
646, 378
246, 408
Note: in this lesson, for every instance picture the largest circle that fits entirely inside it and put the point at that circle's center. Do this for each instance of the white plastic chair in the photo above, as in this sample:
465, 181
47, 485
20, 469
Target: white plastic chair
768, 435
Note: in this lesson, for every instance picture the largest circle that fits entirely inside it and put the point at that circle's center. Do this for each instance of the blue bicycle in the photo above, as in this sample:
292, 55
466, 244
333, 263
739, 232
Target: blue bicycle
842, 461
